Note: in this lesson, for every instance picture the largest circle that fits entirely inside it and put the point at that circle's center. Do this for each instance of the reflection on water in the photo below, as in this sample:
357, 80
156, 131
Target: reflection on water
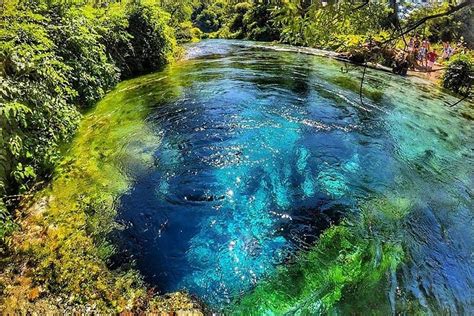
260, 152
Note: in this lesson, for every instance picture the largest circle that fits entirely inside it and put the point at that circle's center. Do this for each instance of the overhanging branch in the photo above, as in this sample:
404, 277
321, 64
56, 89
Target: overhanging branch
421, 21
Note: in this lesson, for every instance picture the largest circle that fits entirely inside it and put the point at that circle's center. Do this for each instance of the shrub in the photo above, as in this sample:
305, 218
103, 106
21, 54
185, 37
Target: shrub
113, 29
459, 75
35, 95
210, 18
186, 32
78, 45
259, 25
152, 40
237, 24
57, 58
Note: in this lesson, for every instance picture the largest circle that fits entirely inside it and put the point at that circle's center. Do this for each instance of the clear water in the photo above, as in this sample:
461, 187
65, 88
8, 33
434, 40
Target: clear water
261, 150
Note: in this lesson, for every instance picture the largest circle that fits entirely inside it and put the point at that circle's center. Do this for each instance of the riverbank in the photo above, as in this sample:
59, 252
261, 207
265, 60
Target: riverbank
59, 254
57, 61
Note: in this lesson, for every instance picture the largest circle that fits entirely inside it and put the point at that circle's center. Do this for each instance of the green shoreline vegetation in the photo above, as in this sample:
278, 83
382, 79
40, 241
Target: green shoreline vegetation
58, 59
69, 249
59, 178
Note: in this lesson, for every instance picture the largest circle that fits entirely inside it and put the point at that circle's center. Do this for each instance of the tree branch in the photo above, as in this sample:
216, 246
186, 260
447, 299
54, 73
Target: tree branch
418, 23
366, 2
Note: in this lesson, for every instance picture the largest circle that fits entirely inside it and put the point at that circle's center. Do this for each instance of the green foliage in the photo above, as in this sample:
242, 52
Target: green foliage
57, 58
210, 17
446, 28
335, 26
330, 26
180, 10
258, 25
78, 44
7, 226
459, 75
244, 20
152, 39
35, 97
237, 27
186, 32
112, 25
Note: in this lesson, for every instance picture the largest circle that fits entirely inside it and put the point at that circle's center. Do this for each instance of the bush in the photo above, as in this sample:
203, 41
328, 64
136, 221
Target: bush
114, 36
237, 25
35, 96
78, 45
459, 75
259, 27
210, 18
186, 32
152, 40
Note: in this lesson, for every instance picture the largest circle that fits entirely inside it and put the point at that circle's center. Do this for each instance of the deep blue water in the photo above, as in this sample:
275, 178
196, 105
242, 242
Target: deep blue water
260, 151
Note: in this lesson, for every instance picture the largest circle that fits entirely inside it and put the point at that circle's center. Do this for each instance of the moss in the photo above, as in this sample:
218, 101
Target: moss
349, 268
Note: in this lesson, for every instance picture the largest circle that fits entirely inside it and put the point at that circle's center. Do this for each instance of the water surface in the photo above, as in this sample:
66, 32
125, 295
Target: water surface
260, 150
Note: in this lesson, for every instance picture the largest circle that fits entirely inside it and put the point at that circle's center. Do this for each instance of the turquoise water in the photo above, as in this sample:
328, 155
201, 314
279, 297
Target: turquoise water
261, 150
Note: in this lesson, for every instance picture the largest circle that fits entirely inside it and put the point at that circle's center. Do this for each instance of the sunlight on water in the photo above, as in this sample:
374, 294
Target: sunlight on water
260, 152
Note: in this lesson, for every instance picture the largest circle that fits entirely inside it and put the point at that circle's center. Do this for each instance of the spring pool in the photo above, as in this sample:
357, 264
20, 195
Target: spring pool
256, 151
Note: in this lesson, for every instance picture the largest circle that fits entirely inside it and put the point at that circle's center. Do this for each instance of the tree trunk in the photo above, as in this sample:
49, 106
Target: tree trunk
393, 18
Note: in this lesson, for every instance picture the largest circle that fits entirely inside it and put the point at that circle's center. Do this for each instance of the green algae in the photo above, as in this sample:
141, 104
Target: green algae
79, 212
350, 268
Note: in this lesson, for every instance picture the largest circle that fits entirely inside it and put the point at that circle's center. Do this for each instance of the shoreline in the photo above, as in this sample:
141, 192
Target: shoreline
434, 79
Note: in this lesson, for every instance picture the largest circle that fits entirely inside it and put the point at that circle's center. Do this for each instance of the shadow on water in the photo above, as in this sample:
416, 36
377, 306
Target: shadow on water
260, 152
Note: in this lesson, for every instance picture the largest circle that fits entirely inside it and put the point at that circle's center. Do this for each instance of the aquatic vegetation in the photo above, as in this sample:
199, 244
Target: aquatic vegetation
349, 268
457, 76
